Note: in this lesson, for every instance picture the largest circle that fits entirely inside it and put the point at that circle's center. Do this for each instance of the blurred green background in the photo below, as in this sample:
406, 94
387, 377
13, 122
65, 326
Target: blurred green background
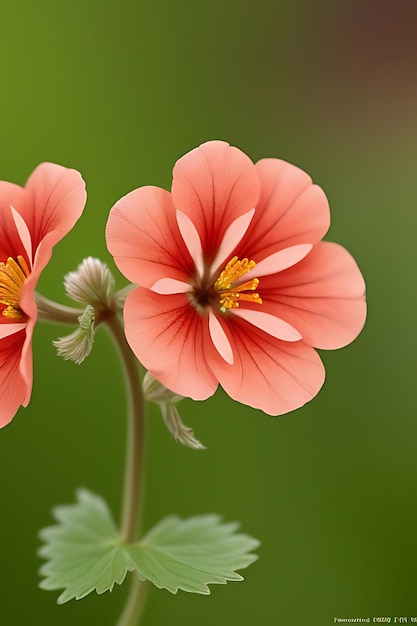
120, 90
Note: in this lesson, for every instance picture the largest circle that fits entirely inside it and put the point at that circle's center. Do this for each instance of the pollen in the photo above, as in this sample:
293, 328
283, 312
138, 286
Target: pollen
230, 294
13, 274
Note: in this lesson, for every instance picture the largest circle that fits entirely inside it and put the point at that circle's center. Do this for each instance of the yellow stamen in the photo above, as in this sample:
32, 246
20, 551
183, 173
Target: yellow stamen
13, 274
229, 295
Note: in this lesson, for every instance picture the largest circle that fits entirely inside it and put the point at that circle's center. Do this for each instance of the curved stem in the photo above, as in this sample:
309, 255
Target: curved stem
134, 459
135, 434
133, 479
135, 603
51, 311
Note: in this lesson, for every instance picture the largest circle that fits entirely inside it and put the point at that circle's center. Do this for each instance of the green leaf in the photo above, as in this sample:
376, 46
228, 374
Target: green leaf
191, 554
86, 553
84, 549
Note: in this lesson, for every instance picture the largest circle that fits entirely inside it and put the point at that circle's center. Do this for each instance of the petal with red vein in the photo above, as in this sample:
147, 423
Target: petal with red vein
268, 374
143, 236
291, 210
13, 387
214, 184
172, 341
54, 200
322, 296
10, 241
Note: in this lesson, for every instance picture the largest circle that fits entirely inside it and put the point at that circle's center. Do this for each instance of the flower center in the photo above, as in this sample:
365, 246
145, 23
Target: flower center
13, 274
230, 294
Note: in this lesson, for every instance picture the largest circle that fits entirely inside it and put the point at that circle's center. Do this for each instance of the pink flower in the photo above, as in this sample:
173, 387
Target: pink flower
32, 220
236, 286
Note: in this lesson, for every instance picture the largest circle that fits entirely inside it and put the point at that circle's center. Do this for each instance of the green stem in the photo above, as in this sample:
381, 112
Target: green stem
133, 469
135, 603
135, 433
50, 311
133, 479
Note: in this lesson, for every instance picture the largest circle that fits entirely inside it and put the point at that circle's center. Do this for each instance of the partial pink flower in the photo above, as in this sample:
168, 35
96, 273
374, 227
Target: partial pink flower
32, 220
236, 286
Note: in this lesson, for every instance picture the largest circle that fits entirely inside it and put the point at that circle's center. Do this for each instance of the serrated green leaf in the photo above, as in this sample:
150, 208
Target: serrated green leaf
86, 553
191, 554
84, 550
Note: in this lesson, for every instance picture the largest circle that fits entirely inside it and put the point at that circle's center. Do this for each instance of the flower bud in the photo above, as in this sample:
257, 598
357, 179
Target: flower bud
166, 400
91, 283
78, 345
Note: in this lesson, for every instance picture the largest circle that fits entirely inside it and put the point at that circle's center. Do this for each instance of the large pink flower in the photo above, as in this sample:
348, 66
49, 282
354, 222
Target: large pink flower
32, 220
236, 286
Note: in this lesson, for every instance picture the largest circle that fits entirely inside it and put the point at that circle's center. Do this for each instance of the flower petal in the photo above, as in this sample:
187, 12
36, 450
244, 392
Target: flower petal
26, 360
270, 324
10, 241
220, 340
172, 341
170, 285
279, 261
24, 234
214, 184
9, 329
291, 210
143, 236
192, 240
268, 374
231, 238
54, 199
322, 296
13, 388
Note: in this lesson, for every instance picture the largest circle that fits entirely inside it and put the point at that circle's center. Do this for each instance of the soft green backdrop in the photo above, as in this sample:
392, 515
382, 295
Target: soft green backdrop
120, 90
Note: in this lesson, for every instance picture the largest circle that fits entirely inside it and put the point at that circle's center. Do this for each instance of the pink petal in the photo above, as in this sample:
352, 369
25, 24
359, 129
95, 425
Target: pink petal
10, 241
219, 338
27, 295
7, 329
172, 341
291, 210
192, 240
54, 199
279, 261
13, 389
322, 296
231, 238
166, 286
35, 218
143, 236
24, 234
268, 374
270, 324
26, 361
214, 184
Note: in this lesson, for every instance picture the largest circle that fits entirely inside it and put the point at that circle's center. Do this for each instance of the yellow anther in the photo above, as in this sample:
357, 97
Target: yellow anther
13, 274
229, 293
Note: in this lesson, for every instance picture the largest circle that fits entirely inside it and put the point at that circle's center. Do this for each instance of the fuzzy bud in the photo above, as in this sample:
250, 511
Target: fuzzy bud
78, 345
166, 400
91, 283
